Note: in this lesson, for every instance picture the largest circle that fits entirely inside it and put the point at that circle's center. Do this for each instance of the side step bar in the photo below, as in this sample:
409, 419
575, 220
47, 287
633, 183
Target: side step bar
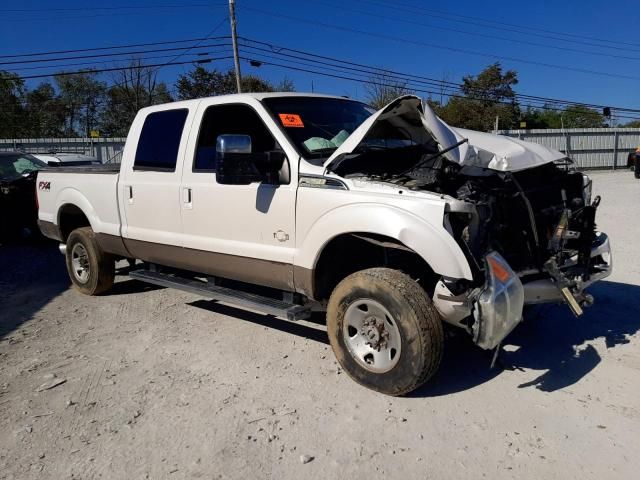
269, 306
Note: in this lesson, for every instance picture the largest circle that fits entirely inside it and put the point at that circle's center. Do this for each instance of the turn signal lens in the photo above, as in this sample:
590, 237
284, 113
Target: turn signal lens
499, 271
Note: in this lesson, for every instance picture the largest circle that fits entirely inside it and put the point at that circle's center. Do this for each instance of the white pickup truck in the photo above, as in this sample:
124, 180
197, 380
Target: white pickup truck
391, 221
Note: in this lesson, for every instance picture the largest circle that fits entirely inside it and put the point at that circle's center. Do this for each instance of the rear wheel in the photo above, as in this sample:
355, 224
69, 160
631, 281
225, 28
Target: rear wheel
384, 330
90, 269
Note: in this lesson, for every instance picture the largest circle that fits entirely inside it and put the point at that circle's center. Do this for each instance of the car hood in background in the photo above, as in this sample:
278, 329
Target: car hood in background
484, 150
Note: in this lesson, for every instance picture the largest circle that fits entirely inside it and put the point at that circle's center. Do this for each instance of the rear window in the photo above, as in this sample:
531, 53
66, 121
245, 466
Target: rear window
159, 141
13, 167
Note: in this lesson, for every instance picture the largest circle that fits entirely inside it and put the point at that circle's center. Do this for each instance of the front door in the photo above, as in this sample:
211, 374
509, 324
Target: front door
244, 232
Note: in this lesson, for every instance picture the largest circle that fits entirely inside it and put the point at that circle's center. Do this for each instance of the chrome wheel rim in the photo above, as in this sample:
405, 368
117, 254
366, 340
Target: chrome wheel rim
80, 263
371, 335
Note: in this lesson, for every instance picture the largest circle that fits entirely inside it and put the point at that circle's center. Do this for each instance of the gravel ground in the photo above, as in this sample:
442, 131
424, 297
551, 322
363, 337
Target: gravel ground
154, 383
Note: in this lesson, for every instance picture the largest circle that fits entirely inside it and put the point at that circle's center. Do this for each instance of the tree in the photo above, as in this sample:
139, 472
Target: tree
382, 89
249, 83
201, 82
491, 84
579, 116
44, 112
135, 87
285, 85
545, 117
632, 124
11, 108
82, 95
488, 95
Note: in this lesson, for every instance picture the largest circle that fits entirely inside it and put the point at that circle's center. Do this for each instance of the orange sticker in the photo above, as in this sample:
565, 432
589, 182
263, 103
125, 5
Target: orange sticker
291, 120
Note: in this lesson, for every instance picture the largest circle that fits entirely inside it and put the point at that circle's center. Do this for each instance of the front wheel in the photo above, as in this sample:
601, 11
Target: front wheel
384, 330
91, 270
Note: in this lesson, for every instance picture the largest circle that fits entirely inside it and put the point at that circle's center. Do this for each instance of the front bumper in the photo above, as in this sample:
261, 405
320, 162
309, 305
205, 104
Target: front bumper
546, 291
496, 307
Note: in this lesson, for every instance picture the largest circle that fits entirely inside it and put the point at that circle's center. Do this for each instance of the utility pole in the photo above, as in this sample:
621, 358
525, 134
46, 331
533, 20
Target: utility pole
234, 40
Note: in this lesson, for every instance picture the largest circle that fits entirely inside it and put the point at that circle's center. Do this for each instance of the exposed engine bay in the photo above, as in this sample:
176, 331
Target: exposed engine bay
541, 220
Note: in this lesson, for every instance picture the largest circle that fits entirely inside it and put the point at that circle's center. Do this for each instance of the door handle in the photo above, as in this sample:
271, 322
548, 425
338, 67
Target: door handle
187, 197
130, 193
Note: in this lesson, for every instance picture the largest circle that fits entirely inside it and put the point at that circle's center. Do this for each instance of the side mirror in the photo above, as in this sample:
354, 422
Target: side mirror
237, 165
269, 165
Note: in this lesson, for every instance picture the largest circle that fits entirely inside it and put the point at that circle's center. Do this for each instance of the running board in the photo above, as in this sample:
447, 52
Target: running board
269, 306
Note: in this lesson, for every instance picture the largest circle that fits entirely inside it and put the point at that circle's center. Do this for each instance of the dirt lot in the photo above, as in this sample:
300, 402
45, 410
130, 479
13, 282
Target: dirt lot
154, 383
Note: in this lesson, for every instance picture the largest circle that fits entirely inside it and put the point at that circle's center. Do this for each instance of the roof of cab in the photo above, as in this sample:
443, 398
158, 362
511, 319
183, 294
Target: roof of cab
240, 97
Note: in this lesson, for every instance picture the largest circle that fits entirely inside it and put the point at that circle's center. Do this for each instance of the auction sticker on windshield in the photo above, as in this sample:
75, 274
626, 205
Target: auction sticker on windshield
291, 120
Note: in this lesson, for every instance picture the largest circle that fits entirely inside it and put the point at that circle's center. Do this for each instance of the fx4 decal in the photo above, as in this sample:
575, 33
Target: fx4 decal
46, 186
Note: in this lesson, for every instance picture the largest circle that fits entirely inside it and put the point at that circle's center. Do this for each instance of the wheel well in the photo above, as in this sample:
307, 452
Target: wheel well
352, 252
71, 217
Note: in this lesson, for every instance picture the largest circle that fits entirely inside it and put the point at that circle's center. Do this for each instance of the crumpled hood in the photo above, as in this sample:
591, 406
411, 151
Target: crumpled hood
506, 154
420, 121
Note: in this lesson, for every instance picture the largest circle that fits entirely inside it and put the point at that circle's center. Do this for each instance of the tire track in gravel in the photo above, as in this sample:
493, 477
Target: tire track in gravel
88, 390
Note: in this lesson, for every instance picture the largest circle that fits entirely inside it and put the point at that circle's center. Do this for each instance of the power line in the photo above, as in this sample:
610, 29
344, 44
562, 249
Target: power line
433, 45
500, 26
123, 66
128, 7
102, 70
450, 89
295, 53
475, 33
97, 49
197, 44
446, 88
110, 54
360, 80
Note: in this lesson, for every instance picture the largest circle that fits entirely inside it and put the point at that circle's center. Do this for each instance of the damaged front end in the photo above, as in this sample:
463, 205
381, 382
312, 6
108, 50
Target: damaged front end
522, 216
542, 221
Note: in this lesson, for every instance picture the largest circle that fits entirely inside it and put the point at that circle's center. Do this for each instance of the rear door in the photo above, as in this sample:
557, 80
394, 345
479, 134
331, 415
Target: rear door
149, 190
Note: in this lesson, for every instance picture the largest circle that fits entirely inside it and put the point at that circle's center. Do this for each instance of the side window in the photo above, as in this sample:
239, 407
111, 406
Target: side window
235, 119
159, 140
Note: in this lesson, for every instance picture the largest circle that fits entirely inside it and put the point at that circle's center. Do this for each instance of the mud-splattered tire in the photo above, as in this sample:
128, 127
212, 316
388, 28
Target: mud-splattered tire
384, 330
90, 269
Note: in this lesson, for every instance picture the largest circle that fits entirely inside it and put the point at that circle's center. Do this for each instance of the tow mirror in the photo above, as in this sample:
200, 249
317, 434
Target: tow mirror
233, 144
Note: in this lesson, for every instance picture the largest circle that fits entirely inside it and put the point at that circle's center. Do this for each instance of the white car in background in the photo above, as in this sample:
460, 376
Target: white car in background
67, 159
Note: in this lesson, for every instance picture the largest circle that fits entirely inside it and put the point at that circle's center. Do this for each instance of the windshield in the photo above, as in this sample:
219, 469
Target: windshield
317, 126
16, 165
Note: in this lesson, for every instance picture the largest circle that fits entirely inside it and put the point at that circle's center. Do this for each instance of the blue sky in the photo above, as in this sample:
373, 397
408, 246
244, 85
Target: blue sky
428, 38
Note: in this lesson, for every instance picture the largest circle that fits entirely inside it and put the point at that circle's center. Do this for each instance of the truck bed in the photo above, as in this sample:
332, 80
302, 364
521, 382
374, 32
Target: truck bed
92, 188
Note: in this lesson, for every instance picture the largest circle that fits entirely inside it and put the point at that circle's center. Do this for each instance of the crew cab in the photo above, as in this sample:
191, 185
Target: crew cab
391, 221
